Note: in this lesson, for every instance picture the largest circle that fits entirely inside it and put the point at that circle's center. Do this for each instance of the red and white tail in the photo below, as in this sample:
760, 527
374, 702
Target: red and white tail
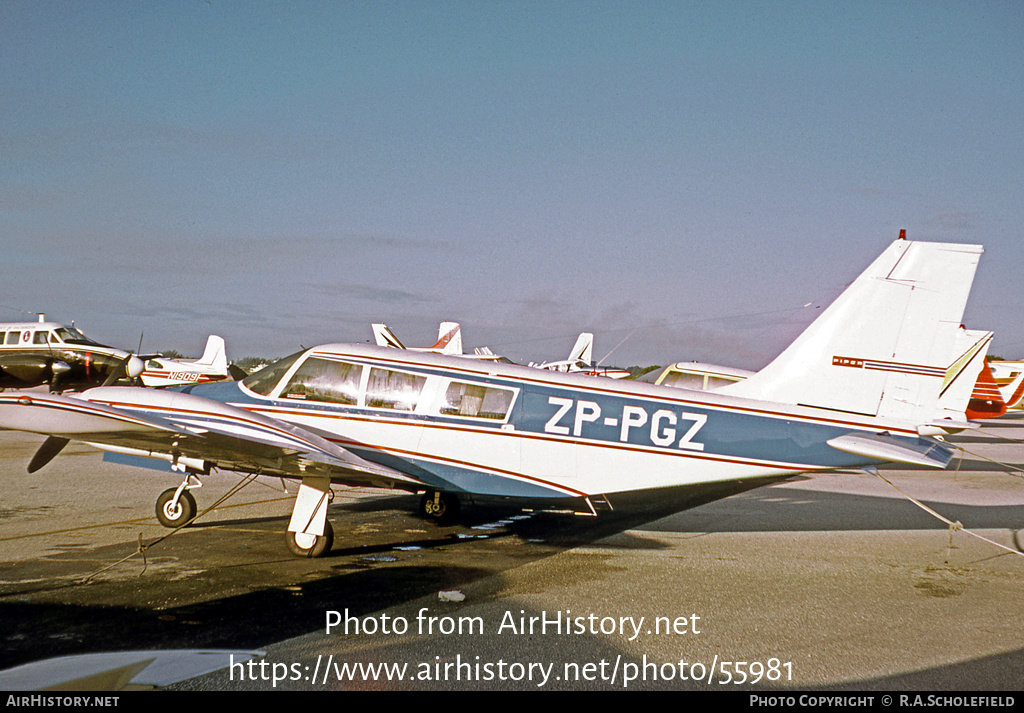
449, 339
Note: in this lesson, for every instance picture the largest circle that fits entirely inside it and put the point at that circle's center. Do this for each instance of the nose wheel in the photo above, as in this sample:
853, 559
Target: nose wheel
175, 507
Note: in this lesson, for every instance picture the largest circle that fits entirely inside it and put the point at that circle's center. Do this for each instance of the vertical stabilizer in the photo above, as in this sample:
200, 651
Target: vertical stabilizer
215, 354
384, 337
583, 350
884, 347
449, 339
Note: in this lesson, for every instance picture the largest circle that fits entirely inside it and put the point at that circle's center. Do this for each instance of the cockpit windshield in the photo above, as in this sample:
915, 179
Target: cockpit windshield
264, 380
70, 335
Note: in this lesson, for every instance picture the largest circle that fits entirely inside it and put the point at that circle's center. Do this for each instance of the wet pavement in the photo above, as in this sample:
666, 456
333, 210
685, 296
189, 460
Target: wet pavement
838, 581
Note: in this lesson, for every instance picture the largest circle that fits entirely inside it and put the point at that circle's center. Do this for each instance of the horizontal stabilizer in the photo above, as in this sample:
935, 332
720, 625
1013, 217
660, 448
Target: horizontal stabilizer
925, 451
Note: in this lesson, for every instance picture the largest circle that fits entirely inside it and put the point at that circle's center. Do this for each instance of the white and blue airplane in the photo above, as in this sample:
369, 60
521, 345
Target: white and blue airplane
862, 385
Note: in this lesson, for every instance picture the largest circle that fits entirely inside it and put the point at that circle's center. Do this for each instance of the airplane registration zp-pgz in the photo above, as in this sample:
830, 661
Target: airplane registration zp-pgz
875, 378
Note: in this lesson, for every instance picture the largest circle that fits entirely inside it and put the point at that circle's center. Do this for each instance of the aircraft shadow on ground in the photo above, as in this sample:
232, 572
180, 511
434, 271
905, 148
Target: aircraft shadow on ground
245, 593
793, 509
46, 610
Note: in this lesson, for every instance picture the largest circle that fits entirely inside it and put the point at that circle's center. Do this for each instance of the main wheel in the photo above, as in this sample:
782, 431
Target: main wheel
172, 514
439, 505
302, 545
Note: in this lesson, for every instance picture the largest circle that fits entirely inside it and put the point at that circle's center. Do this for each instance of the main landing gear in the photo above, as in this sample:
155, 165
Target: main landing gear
176, 507
302, 545
439, 506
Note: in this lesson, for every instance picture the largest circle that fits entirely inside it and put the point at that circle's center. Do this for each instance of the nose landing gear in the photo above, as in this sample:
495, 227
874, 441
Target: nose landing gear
176, 506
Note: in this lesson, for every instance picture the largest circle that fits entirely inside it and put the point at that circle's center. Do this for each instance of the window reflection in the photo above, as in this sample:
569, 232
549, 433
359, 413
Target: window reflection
393, 389
325, 380
476, 401
264, 380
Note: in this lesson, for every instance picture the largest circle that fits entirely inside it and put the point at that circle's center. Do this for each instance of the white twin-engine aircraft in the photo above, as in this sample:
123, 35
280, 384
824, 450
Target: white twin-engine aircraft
867, 382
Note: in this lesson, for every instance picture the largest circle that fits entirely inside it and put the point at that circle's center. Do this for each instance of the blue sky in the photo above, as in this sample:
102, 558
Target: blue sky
678, 178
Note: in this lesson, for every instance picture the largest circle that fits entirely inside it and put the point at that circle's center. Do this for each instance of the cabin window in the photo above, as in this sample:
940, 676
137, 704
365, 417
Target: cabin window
39, 338
12, 337
394, 389
476, 401
684, 380
325, 380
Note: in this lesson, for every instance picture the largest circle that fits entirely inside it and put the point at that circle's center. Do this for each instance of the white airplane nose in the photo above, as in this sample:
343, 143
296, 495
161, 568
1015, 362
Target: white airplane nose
135, 367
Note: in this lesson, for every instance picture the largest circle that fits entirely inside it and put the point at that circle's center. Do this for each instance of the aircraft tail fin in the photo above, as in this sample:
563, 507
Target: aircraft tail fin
215, 354
583, 350
385, 337
449, 338
888, 345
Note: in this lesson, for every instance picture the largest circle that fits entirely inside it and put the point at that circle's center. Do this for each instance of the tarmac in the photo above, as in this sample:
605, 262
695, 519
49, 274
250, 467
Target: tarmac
847, 581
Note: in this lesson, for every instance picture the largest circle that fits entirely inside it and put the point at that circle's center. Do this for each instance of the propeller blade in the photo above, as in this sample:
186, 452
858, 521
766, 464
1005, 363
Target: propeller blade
120, 372
47, 452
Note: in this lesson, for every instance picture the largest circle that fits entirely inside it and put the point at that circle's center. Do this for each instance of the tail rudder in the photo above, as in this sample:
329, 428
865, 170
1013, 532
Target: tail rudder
583, 350
215, 354
384, 337
884, 346
449, 338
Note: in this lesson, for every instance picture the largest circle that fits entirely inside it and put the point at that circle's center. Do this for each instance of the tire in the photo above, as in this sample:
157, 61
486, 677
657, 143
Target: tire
442, 508
320, 545
175, 516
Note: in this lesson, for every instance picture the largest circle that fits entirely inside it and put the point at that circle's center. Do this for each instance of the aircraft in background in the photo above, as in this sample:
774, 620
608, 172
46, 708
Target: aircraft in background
580, 361
48, 353
211, 366
862, 385
985, 400
1009, 378
449, 339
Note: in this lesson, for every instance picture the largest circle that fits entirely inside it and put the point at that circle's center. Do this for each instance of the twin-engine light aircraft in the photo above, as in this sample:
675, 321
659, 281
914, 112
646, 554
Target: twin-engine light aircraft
47, 353
862, 385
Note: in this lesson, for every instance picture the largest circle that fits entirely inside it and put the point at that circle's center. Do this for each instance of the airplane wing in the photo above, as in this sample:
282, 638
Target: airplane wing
192, 430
